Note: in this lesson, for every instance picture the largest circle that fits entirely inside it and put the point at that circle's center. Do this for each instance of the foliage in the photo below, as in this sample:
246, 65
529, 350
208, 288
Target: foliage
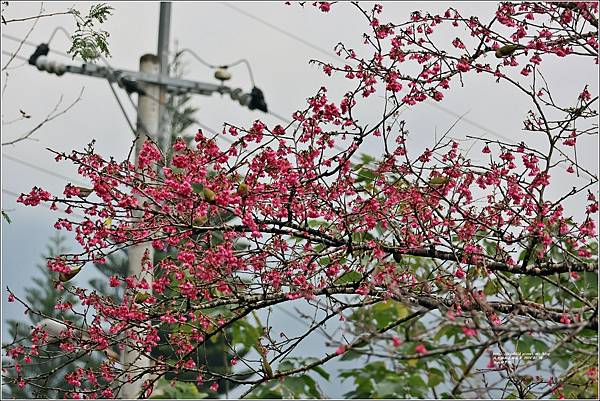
88, 42
177, 390
6, 217
42, 299
299, 386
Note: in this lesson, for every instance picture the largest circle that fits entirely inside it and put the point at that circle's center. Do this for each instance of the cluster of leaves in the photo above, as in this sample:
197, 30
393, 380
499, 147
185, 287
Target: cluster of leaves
299, 386
88, 41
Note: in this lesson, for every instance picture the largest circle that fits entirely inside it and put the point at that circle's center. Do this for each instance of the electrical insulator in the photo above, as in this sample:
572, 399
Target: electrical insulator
257, 100
42, 63
60, 69
238, 95
41, 50
222, 74
53, 67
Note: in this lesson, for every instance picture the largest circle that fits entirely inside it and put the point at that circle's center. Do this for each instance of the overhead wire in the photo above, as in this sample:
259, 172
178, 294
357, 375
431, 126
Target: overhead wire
313, 46
215, 66
272, 113
116, 96
330, 54
467, 120
282, 31
204, 126
110, 84
6, 53
29, 43
41, 169
129, 123
58, 28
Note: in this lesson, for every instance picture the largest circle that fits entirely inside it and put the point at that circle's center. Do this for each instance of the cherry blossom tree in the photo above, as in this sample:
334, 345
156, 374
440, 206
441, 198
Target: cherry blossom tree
450, 273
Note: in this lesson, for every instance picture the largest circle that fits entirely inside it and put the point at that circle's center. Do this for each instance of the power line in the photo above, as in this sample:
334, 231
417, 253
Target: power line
66, 55
112, 89
215, 66
41, 169
471, 122
14, 56
272, 113
282, 31
174, 110
313, 46
330, 54
29, 43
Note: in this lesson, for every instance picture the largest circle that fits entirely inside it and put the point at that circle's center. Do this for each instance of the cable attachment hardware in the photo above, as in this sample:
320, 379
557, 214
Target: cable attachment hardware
222, 74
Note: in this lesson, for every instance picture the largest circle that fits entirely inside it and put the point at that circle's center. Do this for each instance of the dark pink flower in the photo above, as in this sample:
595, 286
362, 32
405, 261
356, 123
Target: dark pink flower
420, 349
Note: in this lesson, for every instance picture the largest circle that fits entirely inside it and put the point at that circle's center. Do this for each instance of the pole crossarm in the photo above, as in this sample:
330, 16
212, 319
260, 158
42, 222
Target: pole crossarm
129, 80
172, 85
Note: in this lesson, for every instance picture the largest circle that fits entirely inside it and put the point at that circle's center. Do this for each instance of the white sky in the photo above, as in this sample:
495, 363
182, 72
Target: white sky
218, 34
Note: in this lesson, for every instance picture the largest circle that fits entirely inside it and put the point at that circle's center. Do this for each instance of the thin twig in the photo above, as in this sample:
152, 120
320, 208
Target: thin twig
51, 116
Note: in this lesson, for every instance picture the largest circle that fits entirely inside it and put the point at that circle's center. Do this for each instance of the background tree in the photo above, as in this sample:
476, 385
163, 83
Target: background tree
50, 366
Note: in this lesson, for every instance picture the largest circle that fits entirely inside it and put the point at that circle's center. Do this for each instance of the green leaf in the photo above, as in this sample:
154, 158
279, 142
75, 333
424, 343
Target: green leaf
389, 389
180, 390
350, 355
434, 377
286, 365
365, 174
321, 372
6, 217
416, 381
295, 385
350, 277
316, 223
540, 346
490, 287
244, 333
366, 158
388, 311
197, 188
524, 345
311, 386
324, 261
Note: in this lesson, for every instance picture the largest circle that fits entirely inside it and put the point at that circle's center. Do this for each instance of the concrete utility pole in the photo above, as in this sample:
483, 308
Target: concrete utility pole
147, 124
151, 120
164, 29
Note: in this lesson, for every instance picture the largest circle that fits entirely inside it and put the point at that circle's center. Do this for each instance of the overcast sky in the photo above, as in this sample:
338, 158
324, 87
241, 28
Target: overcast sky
220, 34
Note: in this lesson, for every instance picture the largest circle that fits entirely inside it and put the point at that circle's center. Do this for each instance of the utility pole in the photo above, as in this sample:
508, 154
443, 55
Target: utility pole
147, 124
151, 120
164, 29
